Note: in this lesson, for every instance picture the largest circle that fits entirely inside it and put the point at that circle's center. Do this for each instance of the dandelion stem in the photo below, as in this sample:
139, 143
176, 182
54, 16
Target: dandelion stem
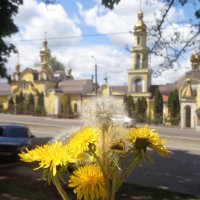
128, 171
114, 184
60, 189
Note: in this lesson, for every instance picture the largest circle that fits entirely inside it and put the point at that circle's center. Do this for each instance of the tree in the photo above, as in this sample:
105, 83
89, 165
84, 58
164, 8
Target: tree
56, 65
138, 106
11, 105
125, 98
69, 107
130, 105
174, 107
1, 107
39, 109
143, 108
41, 99
19, 101
31, 100
158, 106
31, 103
8, 9
171, 49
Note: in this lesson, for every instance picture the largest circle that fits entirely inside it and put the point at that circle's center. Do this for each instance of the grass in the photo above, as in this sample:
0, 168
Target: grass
15, 186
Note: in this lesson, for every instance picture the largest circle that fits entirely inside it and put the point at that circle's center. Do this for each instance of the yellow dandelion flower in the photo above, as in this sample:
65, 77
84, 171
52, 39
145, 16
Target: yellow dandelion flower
79, 142
49, 156
145, 137
88, 182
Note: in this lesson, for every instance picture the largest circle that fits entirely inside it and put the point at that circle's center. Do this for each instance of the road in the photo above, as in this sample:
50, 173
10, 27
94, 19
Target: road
180, 172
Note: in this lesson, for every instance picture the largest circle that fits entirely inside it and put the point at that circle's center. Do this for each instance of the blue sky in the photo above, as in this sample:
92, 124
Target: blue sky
86, 17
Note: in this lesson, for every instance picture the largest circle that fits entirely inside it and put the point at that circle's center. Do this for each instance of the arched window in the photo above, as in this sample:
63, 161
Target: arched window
138, 85
137, 61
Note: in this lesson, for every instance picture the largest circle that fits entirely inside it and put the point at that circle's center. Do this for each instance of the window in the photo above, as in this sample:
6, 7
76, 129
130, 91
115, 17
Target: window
75, 107
138, 85
137, 61
24, 85
16, 132
138, 40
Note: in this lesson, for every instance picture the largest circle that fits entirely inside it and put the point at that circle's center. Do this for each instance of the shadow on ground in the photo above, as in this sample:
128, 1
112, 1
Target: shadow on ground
180, 172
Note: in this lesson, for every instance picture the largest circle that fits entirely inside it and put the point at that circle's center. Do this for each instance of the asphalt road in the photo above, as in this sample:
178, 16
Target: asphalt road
180, 172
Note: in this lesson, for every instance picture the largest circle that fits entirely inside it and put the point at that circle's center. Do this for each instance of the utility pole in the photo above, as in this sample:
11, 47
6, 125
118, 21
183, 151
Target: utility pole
95, 74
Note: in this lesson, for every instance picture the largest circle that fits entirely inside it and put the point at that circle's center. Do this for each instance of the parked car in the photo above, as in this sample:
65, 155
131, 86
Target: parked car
14, 139
126, 122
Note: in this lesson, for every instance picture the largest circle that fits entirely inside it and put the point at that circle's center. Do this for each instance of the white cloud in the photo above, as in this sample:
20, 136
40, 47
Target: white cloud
109, 60
35, 18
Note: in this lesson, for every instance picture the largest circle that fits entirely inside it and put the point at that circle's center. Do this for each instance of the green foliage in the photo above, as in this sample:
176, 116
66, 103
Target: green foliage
158, 119
21, 97
69, 111
174, 106
129, 105
8, 9
125, 98
158, 103
39, 110
138, 106
19, 103
20, 108
141, 108
17, 99
41, 99
56, 65
31, 100
1, 107
11, 101
110, 3
29, 104
158, 107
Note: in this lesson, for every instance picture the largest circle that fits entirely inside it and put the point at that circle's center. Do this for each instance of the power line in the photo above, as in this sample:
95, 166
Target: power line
69, 37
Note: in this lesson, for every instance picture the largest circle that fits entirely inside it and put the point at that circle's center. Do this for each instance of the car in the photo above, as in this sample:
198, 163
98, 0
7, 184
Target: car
14, 139
124, 120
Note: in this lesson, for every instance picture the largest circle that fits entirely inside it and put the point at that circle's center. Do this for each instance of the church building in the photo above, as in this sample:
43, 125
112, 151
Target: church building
60, 86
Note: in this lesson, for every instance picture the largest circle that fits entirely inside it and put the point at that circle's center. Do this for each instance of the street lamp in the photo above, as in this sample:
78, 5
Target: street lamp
95, 74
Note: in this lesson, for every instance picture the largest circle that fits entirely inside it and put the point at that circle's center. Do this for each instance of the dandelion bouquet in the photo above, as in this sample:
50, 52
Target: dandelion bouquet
102, 155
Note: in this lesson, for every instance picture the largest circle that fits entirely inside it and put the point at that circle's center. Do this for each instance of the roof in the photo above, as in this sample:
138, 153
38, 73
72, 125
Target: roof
75, 86
4, 89
192, 75
121, 89
166, 89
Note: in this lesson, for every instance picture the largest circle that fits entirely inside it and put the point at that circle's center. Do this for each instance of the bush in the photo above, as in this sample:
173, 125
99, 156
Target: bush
158, 119
38, 110
148, 120
140, 117
175, 120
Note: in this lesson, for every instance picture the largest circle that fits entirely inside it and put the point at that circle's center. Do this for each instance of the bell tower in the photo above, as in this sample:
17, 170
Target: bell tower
195, 61
45, 54
139, 76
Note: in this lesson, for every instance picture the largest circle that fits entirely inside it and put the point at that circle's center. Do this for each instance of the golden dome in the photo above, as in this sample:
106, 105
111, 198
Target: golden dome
140, 26
195, 58
45, 47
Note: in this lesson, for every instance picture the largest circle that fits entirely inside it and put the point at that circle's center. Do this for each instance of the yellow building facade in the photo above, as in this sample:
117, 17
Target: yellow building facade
64, 95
